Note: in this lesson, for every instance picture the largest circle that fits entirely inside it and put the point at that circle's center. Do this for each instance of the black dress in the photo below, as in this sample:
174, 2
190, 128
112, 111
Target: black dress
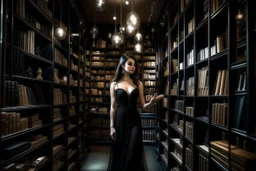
127, 150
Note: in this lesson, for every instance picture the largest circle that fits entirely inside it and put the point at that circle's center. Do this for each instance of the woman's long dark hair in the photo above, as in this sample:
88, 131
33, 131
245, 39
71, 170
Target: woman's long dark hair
119, 74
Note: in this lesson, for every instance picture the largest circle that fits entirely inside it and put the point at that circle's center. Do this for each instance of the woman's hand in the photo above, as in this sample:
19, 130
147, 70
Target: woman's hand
156, 98
113, 133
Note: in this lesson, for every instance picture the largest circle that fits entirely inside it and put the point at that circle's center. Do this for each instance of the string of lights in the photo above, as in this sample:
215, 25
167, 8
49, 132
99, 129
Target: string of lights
152, 9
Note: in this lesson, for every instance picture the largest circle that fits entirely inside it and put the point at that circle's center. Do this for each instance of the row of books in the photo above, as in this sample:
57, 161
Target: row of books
240, 158
100, 122
59, 97
203, 84
60, 58
25, 40
11, 122
189, 130
219, 114
221, 84
189, 156
21, 95
58, 130
179, 105
57, 114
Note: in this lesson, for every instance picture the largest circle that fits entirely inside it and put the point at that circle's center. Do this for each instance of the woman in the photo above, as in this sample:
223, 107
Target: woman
125, 124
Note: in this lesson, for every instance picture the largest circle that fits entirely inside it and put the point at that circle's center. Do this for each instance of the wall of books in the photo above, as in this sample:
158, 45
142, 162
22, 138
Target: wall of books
206, 68
43, 114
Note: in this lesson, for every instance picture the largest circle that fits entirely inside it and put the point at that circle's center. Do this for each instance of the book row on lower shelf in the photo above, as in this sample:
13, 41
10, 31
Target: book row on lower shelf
240, 159
104, 134
105, 122
98, 109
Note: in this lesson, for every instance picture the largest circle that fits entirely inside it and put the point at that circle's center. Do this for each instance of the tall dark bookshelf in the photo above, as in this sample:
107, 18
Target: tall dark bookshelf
42, 117
207, 118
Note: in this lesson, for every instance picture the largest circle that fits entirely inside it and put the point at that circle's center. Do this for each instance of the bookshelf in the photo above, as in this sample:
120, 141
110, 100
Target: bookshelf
205, 67
42, 83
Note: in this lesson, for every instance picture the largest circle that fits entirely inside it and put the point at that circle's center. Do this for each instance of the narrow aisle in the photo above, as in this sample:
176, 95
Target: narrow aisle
99, 156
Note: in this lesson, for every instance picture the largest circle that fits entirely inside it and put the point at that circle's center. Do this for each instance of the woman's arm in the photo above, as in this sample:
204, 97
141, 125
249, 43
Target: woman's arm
153, 100
113, 103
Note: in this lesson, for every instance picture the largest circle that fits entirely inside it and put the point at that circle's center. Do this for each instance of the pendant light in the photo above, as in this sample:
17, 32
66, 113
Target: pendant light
100, 5
60, 32
116, 38
138, 37
94, 30
138, 47
122, 28
133, 18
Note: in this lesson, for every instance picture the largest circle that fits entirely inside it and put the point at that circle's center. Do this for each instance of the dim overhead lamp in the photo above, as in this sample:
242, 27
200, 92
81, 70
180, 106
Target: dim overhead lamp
130, 29
138, 36
239, 15
100, 5
138, 48
116, 39
60, 33
94, 31
133, 19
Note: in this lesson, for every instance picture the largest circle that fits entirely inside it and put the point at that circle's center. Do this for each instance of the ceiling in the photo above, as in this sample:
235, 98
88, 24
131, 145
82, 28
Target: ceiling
142, 7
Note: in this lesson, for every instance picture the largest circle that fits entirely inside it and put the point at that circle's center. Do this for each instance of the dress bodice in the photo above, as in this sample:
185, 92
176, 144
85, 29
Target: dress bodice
127, 99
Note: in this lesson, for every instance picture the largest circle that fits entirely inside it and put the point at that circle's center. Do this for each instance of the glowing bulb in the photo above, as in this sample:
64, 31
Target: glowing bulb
122, 28
60, 33
116, 39
133, 19
130, 29
100, 5
138, 47
100, 2
239, 16
114, 18
126, 2
138, 36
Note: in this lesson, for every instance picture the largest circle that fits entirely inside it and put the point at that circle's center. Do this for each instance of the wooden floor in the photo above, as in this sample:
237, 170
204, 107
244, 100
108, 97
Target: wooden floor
98, 159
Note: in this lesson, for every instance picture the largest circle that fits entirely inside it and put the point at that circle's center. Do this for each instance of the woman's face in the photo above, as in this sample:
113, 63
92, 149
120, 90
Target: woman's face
130, 66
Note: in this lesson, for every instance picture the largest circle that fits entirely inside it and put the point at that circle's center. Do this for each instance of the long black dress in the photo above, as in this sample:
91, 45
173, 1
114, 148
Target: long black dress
127, 150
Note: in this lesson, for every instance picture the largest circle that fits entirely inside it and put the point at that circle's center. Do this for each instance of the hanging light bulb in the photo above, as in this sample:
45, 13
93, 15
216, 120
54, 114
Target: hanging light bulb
239, 15
94, 32
130, 29
133, 19
100, 5
138, 48
60, 33
114, 17
126, 2
138, 36
109, 35
116, 39
122, 29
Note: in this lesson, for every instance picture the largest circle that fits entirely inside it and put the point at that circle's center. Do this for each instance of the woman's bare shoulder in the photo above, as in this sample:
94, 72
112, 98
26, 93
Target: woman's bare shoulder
113, 84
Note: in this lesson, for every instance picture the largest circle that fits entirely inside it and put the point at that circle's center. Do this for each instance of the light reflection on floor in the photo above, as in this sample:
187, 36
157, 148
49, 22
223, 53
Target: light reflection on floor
99, 156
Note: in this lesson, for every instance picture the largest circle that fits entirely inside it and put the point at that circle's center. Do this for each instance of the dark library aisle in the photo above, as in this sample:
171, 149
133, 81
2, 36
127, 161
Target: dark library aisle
98, 159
